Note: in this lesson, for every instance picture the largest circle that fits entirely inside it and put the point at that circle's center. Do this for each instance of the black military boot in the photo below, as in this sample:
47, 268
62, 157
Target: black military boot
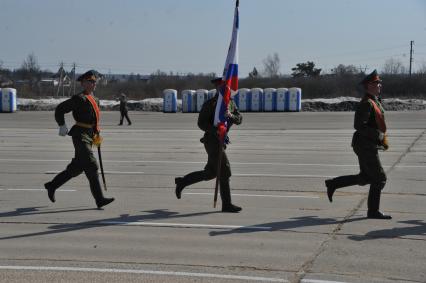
50, 191
374, 203
58, 181
96, 190
179, 181
340, 182
103, 202
189, 179
330, 189
377, 215
225, 194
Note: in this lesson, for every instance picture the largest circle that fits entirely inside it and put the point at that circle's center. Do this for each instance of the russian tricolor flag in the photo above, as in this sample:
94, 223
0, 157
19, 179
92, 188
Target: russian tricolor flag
230, 78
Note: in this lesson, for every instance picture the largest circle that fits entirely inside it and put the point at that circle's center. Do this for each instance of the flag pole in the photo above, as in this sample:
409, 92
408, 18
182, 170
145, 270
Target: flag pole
219, 165
102, 167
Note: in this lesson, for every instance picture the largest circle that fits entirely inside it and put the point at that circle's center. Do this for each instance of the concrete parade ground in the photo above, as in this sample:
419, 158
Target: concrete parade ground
288, 231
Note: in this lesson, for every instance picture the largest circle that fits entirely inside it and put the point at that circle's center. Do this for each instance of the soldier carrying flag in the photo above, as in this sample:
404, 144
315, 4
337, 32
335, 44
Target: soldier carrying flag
215, 119
85, 133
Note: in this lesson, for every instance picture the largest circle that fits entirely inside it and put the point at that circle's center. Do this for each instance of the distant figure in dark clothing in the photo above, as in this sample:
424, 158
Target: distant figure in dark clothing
123, 110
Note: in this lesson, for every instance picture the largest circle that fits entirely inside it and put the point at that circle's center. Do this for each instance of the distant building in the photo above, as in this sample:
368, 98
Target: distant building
48, 82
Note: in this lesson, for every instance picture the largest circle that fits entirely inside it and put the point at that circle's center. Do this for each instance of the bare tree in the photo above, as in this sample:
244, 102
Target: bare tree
342, 70
30, 64
271, 66
30, 69
393, 66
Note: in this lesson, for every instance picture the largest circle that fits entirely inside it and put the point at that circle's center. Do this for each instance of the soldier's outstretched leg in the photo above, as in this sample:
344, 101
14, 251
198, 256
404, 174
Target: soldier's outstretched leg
121, 119
374, 202
340, 182
96, 190
225, 195
70, 172
127, 118
189, 179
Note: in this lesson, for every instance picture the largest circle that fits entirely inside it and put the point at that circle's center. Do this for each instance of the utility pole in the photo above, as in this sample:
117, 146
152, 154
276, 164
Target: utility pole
411, 55
73, 79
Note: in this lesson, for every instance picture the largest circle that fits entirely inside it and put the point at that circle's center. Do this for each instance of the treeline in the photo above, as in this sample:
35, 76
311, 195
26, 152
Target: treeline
327, 86
342, 81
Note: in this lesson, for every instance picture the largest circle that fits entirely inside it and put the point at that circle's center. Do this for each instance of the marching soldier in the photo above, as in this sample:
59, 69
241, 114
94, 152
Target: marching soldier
211, 145
85, 134
123, 110
369, 137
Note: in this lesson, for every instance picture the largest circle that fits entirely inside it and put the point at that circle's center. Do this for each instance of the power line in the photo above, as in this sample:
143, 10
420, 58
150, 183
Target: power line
411, 55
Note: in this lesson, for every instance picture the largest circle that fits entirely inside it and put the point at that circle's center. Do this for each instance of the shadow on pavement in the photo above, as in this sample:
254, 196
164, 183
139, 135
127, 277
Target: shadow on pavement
69, 227
417, 230
36, 210
293, 223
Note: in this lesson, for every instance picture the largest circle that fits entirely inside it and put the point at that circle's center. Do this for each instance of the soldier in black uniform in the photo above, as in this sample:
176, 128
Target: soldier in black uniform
211, 145
123, 110
83, 132
369, 137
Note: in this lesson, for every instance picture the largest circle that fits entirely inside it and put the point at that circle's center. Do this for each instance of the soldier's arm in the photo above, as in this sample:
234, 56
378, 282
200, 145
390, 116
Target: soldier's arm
236, 117
63, 108
362, 117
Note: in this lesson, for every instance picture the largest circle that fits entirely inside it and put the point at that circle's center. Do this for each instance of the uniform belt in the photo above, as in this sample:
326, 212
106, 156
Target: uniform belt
84, 125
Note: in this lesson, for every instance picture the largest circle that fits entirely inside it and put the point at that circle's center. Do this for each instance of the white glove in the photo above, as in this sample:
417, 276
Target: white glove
381, 136
63, 130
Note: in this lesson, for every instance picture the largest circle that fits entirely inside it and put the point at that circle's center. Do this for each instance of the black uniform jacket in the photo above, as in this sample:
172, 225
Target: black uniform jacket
367, 132
82, 111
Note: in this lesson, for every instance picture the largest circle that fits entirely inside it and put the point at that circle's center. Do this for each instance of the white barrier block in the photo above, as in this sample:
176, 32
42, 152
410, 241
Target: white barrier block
295, 97
169, 101
8, 100
269, 99
201, 97
188, 100
242, 99
282, 99
256, 100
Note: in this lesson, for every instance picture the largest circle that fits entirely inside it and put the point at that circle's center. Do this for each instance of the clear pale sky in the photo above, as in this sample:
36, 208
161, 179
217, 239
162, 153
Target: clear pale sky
142, 36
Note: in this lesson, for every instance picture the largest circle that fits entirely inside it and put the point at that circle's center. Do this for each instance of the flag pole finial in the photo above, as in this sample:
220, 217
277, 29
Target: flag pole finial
238, 3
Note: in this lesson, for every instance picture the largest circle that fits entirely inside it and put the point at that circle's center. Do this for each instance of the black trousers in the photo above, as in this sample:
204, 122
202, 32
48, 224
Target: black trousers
124, 114
371, 172
83, 161
210, 172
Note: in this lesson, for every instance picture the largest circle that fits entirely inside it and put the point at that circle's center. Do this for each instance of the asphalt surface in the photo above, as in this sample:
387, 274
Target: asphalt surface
287, 231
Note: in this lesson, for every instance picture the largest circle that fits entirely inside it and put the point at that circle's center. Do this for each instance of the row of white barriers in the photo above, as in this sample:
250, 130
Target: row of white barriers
7, 100
247, 100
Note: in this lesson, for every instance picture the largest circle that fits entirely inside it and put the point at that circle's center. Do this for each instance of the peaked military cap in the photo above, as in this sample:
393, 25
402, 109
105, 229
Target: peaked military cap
217, 81
90, 75
373, 77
